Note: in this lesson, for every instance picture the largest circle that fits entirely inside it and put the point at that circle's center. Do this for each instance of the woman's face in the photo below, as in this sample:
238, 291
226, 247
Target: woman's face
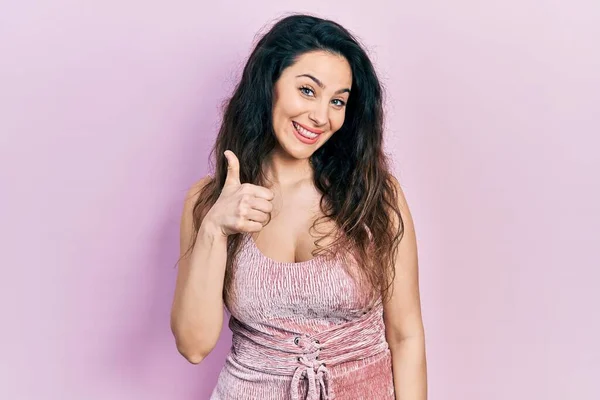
309, 102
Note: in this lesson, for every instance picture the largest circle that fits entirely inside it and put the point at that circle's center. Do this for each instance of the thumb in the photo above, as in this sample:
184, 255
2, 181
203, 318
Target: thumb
233, 169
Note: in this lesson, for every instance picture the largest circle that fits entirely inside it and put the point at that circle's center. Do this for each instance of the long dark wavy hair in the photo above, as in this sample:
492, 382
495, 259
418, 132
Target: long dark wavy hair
350, 169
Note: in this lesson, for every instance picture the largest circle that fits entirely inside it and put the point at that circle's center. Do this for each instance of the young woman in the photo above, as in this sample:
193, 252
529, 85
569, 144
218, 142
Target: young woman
302, 233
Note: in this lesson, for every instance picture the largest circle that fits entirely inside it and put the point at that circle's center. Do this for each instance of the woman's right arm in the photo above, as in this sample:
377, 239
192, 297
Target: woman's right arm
197, 310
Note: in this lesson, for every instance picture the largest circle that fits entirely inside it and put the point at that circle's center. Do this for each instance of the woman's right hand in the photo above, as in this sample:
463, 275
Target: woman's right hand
240, 207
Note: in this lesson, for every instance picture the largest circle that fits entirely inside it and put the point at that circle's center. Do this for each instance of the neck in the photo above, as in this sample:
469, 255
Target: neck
283, 170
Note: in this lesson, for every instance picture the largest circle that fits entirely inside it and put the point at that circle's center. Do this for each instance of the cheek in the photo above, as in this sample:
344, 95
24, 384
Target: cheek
289, 105
336, 124
338, 121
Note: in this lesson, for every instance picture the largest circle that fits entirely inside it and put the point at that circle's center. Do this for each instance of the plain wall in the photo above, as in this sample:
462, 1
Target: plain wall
108, 110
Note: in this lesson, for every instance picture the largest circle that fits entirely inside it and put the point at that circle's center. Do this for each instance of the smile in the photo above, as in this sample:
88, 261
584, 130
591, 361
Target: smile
304, 132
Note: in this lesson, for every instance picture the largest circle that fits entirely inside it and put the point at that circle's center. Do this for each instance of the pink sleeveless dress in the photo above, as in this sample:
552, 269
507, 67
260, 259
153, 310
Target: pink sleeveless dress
302, 331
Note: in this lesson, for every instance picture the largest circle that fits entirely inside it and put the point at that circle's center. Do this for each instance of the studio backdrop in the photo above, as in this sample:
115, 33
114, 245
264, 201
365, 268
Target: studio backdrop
108, 110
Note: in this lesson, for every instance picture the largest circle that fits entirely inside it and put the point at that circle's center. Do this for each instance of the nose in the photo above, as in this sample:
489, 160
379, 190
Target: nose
320, 113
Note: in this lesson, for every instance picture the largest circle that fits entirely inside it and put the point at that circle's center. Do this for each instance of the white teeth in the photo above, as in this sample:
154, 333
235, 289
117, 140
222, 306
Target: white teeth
304, 132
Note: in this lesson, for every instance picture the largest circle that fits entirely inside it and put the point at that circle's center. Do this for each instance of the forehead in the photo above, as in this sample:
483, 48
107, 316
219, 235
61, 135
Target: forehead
331, 69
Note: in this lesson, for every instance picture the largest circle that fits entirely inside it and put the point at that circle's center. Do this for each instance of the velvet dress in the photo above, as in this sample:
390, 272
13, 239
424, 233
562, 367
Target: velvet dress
302, 331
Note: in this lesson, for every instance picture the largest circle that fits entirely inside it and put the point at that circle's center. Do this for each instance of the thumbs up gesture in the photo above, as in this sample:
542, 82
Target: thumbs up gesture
241, 207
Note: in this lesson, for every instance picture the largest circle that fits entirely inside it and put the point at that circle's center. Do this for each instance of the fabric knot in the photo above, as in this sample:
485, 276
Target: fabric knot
318, 379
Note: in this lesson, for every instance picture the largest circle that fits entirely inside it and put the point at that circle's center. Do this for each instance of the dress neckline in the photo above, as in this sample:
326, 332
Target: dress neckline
315, 260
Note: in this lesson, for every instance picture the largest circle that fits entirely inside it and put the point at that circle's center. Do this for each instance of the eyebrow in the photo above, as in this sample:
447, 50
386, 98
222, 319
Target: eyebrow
318, 82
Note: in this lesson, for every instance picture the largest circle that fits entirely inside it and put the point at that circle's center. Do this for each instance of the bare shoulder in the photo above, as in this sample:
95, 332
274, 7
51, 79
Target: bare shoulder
194, 191
187, 215
401, 203
399, 192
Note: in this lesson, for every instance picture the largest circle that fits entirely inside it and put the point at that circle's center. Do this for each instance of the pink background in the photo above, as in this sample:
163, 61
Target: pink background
108, 110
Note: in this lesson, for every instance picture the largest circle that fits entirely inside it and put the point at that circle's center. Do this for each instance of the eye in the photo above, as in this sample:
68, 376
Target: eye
306, 90
303, 88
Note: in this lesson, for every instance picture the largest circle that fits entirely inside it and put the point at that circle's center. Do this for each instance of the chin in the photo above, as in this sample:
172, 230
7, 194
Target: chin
294, 151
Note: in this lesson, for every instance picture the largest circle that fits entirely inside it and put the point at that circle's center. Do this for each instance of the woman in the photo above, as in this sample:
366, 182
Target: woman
302, 233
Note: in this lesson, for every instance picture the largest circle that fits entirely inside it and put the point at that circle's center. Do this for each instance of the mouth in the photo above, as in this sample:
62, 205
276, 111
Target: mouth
303, 133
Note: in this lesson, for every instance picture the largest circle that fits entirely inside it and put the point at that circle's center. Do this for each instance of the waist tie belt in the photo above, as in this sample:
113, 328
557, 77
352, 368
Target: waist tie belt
310, 355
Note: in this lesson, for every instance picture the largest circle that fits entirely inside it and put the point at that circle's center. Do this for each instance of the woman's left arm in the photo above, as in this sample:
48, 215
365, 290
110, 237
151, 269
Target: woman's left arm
402, 315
